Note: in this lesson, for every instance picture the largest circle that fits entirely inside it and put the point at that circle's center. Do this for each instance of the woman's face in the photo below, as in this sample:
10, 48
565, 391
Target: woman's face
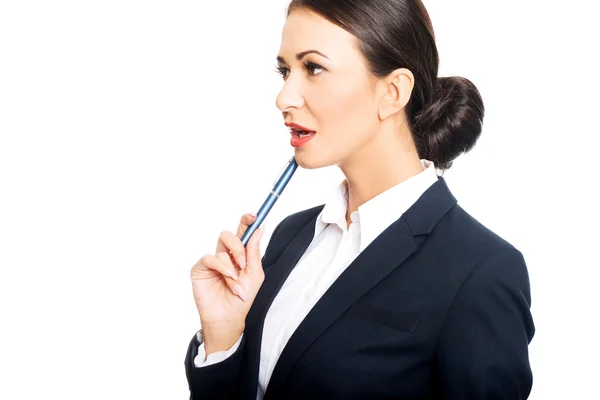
327, 88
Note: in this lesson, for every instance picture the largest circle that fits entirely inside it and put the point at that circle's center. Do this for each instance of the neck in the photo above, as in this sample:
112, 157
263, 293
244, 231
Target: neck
378, 166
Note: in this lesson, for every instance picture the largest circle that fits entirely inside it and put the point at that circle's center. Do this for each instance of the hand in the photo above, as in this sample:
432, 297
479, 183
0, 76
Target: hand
226, 283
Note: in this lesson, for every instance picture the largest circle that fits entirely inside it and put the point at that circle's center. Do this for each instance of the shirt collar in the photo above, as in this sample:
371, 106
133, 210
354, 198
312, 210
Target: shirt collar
377, 214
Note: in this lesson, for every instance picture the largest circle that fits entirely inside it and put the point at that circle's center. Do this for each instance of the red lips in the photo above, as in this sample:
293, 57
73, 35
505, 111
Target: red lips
298, 127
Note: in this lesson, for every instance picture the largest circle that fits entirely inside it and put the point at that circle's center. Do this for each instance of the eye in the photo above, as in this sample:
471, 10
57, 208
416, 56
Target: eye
283, 71
310, 67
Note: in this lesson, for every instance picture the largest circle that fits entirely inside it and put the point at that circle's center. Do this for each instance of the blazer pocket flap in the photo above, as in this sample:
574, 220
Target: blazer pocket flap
387, 317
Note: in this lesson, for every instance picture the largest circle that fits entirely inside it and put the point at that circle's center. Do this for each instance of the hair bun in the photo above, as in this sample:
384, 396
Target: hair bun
450, 124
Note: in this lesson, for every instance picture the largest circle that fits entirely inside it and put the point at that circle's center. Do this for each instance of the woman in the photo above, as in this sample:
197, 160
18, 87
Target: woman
390, 289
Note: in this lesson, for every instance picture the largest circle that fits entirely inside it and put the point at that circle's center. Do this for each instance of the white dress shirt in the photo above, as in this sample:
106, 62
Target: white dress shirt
332, 250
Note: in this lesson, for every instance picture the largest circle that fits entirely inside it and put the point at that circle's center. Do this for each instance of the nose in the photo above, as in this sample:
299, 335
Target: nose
290, 97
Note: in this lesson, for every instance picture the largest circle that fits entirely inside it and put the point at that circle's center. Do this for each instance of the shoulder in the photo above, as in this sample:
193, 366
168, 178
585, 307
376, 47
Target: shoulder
482, 257
459, 234
471, 256
465, 228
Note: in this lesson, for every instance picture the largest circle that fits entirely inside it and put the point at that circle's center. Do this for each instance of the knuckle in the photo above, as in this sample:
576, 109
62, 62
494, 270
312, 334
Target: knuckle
204, 262
224, 258
258, 275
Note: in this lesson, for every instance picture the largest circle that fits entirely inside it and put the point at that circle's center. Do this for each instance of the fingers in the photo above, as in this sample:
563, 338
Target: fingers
233, 283
245, 222
222, 264
219, 263
254, 262
228, 242
230, 250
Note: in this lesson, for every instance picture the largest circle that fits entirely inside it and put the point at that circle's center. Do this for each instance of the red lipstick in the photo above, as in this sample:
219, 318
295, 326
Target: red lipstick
300, 134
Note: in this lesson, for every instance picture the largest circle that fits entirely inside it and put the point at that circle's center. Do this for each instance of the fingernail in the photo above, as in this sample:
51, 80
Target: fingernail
231, 273
260, 233
240, 292
253, 214
242, 262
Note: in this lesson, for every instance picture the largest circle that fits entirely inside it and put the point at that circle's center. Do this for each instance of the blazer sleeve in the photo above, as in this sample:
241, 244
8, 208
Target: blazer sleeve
221, 380
216, 381
482, 351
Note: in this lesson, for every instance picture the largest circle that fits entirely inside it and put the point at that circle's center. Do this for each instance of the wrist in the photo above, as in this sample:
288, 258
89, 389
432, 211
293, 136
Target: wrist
220, 338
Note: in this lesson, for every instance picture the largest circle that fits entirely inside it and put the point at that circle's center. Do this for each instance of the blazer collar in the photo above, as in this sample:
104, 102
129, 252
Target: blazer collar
386, 253
371, 220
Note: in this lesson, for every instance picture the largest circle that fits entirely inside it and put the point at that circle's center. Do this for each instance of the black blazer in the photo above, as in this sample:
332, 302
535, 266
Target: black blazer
436, 307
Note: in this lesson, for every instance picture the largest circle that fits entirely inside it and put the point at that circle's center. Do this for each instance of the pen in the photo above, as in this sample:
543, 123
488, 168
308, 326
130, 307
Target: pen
280, 184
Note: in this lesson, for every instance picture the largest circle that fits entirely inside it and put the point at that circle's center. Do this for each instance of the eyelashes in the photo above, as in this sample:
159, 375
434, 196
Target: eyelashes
309, 66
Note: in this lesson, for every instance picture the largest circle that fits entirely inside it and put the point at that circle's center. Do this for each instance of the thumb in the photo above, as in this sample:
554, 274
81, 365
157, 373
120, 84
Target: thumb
253, 250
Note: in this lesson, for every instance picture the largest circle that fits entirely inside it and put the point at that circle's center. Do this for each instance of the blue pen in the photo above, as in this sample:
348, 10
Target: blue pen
279, 185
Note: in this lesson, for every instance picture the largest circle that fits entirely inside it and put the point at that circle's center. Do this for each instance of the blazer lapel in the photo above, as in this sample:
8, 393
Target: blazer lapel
275, 276
388, 251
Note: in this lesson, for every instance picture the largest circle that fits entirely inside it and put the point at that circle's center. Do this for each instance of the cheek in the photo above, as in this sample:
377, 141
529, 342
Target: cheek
343, 110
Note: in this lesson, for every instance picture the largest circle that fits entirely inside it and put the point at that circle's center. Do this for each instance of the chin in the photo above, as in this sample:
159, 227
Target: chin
308, 160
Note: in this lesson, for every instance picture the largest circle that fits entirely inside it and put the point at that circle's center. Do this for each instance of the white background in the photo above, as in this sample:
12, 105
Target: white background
133, 132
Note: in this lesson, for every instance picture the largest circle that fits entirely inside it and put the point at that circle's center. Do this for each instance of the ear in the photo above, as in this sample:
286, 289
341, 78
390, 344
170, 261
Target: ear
397, 88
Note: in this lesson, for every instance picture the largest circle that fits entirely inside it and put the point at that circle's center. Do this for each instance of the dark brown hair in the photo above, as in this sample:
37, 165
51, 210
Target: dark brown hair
445, 114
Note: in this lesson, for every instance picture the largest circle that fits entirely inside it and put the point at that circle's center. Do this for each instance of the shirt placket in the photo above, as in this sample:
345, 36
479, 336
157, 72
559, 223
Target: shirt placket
304, 300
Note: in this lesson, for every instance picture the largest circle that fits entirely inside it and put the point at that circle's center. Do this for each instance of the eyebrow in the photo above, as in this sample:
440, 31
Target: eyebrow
301, 55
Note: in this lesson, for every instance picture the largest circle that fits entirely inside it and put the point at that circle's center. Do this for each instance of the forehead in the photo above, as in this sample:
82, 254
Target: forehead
304, 30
